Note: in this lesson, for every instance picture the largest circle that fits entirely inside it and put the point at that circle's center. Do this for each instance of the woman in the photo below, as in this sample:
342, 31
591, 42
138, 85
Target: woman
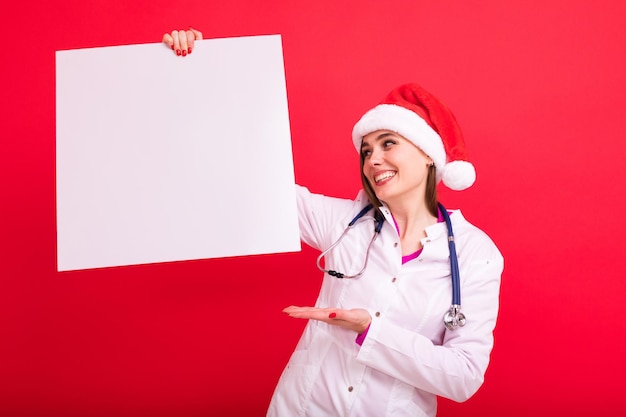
376, 343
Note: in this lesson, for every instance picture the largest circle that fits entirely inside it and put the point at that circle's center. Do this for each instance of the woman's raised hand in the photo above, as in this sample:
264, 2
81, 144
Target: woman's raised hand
181, 41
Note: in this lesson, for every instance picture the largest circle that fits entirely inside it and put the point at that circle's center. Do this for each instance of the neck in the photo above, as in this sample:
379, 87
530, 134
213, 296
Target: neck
412, 217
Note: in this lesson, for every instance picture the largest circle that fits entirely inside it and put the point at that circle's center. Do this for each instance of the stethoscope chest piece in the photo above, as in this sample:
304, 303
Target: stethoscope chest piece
454, 318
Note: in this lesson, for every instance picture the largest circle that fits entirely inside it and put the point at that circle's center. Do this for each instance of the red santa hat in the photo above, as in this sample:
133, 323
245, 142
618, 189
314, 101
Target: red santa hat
420, 117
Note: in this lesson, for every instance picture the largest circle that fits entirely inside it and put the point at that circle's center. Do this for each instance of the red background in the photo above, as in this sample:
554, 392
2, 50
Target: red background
538, 88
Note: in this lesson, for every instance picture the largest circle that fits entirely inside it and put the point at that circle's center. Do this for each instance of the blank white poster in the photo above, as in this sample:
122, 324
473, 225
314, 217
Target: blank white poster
162, 158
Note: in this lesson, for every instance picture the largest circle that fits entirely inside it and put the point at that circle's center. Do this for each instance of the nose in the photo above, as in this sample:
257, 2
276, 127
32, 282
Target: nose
376, 157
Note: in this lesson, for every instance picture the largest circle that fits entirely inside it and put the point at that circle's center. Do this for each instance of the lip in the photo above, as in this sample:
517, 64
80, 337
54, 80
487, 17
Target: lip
384, 176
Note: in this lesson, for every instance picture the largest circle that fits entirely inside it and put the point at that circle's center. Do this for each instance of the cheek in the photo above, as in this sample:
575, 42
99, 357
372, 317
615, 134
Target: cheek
418, 164
365, 176
418, 173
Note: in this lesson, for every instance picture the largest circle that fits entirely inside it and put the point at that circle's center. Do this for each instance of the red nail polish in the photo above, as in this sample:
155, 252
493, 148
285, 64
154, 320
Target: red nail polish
178, 52
189, 50
184, 52
172, 47
332, 315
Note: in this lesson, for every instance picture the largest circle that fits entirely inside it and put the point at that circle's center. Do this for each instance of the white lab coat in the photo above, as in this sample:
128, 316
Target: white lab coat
408, 357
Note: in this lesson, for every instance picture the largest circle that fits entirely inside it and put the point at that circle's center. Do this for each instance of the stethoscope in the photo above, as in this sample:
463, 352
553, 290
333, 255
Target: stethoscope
453, 317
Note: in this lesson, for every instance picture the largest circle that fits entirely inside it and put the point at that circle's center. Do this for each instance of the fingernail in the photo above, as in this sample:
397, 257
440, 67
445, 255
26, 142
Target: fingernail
184, 52
189, 50
172, 47
178, 52
332, 315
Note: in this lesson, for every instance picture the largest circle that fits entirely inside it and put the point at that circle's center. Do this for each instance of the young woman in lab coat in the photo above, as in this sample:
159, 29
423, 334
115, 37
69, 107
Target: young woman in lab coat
376, 344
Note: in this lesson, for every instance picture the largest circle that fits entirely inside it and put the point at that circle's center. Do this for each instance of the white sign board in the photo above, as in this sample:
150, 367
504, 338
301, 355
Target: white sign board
162, 158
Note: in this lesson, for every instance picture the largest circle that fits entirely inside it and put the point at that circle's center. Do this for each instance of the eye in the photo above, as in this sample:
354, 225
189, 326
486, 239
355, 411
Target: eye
365, 153
388, 142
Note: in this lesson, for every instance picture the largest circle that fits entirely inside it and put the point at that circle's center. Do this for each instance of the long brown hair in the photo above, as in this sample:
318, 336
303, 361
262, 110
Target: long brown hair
430, 196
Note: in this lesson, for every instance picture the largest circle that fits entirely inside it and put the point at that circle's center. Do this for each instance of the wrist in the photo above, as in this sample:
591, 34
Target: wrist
360, 338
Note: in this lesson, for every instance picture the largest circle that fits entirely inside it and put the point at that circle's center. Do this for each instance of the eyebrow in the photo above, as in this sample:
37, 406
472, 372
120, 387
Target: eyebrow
378, 138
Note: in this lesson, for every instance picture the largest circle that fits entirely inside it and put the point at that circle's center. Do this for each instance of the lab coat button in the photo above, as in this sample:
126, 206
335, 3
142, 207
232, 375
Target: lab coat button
395, 245
377, 314
350, 388
393, 279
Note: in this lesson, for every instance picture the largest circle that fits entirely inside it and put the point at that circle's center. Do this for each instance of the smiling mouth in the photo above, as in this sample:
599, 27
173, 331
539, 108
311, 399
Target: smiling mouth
384, 176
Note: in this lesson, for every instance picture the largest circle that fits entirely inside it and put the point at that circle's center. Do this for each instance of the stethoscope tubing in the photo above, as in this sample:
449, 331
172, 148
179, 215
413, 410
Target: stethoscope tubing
357, 219
454, 261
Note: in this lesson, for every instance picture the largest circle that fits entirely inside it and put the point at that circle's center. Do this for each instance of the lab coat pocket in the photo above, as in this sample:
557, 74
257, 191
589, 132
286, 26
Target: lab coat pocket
403, 402
293, 393
294, 386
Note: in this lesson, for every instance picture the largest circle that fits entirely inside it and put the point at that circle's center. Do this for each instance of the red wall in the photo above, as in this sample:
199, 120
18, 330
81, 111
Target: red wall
538, 87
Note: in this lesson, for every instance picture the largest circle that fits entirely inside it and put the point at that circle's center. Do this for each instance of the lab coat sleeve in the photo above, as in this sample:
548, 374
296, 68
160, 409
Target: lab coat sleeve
318, 214
455, 369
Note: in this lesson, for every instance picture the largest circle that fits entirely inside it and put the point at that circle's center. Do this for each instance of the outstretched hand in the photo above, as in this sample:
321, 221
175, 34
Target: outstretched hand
356, 319
181, 41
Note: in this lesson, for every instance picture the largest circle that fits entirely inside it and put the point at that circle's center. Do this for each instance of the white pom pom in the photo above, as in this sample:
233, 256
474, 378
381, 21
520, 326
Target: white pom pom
458, 175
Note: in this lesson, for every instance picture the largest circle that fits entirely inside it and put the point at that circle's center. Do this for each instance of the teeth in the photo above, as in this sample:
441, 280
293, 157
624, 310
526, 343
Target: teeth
384, 176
